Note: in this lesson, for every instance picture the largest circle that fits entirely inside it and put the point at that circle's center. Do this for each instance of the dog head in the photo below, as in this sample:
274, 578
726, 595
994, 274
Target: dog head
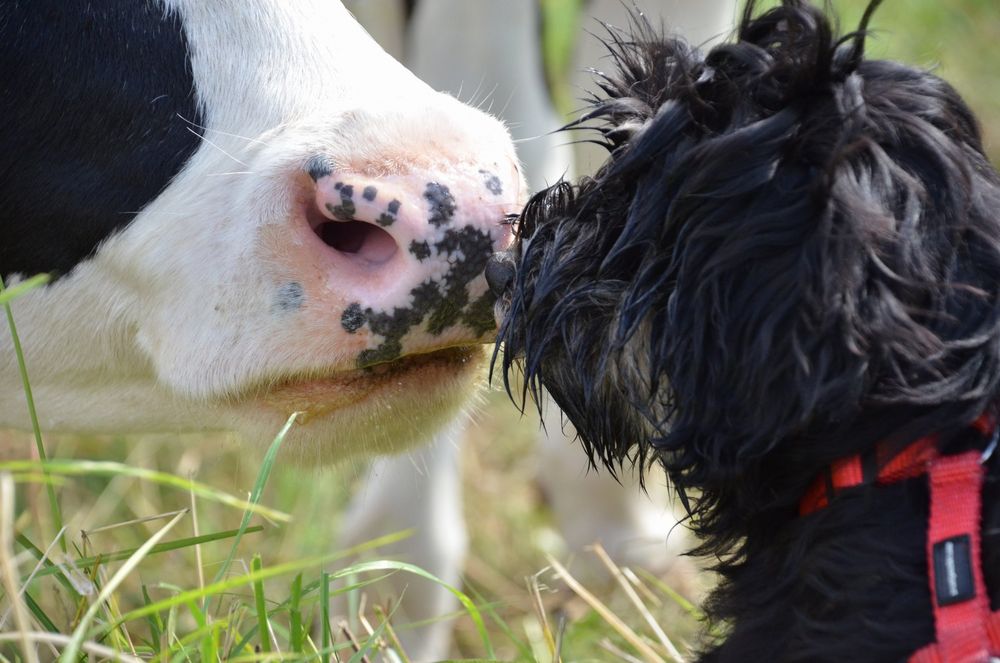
791, 251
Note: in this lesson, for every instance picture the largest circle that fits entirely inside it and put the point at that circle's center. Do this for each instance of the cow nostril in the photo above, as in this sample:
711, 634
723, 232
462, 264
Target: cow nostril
358, 238
346, 237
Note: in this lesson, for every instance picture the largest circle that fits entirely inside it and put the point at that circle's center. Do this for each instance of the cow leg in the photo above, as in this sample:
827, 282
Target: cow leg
421, 491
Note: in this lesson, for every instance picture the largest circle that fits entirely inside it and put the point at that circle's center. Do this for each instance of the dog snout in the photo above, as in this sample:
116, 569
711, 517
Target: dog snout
500, 272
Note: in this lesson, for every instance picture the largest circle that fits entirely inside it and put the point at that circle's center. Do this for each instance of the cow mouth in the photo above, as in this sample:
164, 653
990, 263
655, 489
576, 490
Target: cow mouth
318, 396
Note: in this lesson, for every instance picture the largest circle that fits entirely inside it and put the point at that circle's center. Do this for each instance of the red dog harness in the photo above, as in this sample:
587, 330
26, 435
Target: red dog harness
967, 632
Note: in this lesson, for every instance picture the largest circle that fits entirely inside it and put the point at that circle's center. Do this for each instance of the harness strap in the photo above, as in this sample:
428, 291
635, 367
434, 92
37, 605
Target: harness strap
883, 465
880, 467
966, 631
958, 590
932, 654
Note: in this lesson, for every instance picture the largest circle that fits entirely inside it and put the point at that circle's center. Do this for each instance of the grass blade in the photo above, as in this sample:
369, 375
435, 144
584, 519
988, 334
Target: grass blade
258, 596
524, 651
255, 495
154, 620
118, 555
39, 614
362, 653
633, 596
467, 604
89, 647
8, 567
647, 652
77, 467
295, 615
252, 631
299, 565
73, 648
675, 596
8, 295
324, 603
26, 582
393, 639
5, 297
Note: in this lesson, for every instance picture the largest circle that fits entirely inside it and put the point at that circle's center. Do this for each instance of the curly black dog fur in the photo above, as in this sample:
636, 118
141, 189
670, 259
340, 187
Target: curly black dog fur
792, 253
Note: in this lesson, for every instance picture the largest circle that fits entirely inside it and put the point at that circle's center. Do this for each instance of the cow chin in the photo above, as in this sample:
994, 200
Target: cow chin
386, 408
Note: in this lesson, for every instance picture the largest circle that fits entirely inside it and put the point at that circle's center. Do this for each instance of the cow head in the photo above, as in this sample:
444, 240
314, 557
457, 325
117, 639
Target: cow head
251, 210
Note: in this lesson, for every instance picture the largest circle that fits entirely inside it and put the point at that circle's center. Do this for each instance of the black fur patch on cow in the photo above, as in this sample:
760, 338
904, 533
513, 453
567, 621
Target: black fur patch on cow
318, 167
290, 297
388, 217
443, 302
88, 134
442, 204
421, 250
492, 182
346, 209
478, 316
353, 318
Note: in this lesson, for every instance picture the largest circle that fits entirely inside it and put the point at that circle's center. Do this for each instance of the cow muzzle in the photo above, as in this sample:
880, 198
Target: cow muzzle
407, 253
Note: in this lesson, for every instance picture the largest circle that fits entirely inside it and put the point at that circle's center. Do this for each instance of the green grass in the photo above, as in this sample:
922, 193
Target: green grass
156, 605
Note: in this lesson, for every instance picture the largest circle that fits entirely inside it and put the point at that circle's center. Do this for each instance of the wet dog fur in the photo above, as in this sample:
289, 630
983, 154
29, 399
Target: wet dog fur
791, 254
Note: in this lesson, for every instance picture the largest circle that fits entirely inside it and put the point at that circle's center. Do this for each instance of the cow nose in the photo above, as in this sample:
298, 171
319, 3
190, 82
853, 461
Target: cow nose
406, 254
500, 273
411, 226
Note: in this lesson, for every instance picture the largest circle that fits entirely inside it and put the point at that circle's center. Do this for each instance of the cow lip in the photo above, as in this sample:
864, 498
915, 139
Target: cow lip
453, 354
457, 354
316, 395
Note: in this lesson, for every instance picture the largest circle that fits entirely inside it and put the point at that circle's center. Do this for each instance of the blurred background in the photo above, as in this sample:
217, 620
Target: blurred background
543, 45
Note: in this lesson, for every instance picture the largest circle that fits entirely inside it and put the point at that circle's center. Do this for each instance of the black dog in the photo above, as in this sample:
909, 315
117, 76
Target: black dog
791, 257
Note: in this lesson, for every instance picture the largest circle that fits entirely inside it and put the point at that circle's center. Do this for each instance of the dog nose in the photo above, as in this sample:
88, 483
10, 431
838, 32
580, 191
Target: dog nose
500, 272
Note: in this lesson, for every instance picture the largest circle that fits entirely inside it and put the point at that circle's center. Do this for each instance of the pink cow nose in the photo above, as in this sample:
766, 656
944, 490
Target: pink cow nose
408, 253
